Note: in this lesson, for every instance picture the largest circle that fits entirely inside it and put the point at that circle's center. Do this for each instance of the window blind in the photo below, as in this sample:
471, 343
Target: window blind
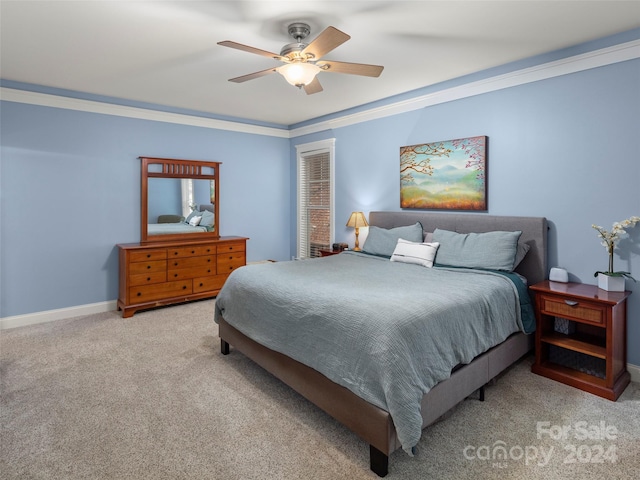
315, 204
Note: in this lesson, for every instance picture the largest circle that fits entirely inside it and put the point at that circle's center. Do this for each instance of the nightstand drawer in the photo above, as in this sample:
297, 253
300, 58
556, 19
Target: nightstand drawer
574, 310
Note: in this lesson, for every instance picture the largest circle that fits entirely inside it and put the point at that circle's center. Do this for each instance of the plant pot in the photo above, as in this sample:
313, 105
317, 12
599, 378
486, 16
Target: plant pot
610, 284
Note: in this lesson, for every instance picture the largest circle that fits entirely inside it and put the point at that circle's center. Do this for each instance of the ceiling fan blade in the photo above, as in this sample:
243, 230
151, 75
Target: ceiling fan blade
247, 48
313, 87
251, 76
351, 68
329, 39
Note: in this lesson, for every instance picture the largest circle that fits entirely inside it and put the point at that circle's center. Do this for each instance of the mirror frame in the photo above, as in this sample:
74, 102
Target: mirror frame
173, 168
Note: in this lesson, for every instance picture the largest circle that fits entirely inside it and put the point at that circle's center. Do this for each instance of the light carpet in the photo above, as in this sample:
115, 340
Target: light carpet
151, 397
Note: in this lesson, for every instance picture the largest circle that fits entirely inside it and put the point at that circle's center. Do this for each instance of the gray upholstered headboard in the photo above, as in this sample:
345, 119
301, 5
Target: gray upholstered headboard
534, 232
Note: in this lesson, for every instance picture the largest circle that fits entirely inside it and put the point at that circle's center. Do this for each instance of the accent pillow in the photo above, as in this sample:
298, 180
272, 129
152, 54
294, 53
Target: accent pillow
191, 215
195, 220
416, 253
490, 250
382, 241
207, 219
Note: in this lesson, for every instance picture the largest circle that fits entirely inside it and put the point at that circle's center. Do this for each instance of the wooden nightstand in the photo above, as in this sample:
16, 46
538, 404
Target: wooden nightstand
327, 253
593, 356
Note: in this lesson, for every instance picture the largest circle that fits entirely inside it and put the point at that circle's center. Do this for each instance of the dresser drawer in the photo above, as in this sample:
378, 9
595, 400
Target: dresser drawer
147, 278
188, 262
231, 247
147, 267
228, 262
160, 291
192, 251
205, 284
148, 255
192, 272
571, 309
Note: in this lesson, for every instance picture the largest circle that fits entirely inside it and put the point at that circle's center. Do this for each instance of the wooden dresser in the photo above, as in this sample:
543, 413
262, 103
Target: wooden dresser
153, 275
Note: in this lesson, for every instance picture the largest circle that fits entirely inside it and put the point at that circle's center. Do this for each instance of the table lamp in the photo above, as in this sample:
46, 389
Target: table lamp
357, 220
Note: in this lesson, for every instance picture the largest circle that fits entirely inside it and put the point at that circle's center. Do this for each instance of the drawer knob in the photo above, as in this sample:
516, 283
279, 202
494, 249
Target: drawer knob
148, 267
201, 283
175, 253
175, 264
148, 255
184, 287
139, 293
571, 303
175, 274
148, 279
193, 251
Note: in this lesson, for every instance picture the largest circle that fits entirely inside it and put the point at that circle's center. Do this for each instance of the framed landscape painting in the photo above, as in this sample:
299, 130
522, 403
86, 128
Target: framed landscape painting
449, 175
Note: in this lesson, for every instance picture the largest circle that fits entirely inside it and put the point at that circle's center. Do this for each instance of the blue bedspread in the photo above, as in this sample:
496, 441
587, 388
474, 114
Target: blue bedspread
388, 331
171, 228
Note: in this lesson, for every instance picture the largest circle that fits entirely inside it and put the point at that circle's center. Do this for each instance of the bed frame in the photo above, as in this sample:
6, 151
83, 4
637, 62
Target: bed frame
371, 423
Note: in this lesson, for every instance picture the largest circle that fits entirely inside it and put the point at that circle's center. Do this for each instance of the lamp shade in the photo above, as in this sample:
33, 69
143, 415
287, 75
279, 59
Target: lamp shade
299, 73
357, 220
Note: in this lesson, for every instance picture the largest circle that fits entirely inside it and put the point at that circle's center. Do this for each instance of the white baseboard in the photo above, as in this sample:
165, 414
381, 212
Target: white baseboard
62, 313
58, 314
634, 370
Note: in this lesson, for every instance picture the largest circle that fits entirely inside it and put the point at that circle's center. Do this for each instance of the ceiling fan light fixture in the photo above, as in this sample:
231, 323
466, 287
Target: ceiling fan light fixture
299, 74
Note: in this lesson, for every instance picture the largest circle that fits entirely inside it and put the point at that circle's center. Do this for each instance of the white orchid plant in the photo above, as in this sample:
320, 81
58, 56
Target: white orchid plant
609, 240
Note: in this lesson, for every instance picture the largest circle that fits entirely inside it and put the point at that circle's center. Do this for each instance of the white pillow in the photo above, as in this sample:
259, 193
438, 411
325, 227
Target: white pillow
195, 220
417, 253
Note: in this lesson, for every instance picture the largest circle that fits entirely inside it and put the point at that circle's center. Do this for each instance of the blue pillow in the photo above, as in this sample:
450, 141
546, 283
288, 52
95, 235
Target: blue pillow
207, 218
382, 241
490, 250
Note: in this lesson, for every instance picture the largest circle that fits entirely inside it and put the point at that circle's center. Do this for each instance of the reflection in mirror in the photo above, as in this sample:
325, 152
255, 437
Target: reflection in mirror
174, 198
179, 199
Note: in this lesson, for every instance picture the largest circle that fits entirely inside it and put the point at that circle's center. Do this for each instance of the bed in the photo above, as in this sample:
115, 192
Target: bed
175, 224
349, 331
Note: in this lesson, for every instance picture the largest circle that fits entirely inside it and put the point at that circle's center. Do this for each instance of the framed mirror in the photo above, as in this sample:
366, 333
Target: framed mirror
179, 200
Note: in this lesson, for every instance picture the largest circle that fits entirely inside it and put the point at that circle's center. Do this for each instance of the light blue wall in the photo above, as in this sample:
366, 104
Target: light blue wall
70, 191
167, 197
564, 148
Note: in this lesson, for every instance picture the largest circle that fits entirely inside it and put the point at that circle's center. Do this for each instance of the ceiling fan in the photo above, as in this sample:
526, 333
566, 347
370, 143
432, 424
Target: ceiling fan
302, 62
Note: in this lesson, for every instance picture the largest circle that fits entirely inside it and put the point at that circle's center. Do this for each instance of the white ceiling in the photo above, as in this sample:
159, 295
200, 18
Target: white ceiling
166, 52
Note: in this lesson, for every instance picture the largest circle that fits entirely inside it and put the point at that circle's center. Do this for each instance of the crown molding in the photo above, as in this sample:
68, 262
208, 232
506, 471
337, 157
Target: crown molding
91, 106
565, 66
